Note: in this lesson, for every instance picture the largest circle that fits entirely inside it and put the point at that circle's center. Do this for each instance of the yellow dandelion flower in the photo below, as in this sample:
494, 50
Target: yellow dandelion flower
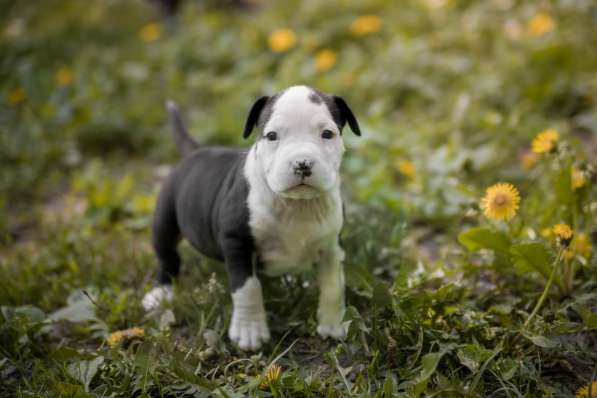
325, 59
116, 337
366, 24
501, 201
578, 178
545, 141
563, 233
150, 32
272, 375
16, 96
281, 40
64, 77
407, 168
541, 24
588, 391
529, 159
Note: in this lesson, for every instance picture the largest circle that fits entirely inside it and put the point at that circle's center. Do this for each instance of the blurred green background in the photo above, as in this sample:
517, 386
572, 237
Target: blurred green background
458, 88
449, 95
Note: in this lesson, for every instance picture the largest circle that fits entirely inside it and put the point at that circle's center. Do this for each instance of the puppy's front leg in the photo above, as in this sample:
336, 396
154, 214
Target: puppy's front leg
330, 277
248, 326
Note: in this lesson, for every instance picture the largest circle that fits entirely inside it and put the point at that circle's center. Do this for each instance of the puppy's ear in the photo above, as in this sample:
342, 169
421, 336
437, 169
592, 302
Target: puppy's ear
253, 117
347, 115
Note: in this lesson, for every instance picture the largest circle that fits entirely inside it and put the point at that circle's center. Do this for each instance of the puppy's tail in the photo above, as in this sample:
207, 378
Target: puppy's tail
184, 142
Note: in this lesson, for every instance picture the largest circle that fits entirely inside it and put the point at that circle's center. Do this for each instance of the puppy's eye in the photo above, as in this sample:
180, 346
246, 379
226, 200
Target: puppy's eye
272, 136
327, 135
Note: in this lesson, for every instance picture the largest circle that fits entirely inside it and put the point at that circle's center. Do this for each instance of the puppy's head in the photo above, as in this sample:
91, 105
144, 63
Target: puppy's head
299, 147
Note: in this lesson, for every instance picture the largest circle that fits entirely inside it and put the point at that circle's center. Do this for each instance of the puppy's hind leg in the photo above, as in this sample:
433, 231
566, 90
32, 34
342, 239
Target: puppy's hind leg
166, 236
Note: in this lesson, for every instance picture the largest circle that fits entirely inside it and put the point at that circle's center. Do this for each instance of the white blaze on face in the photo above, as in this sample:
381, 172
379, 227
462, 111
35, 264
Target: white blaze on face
299, 122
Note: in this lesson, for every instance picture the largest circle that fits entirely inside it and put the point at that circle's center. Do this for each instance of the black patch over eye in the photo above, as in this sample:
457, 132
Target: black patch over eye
327, 135
272, 136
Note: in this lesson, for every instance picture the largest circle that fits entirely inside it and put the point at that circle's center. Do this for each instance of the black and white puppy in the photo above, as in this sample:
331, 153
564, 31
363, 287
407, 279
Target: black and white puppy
271, 210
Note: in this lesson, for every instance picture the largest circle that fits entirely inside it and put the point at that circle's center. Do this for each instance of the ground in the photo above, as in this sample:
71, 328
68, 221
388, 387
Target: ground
448, 294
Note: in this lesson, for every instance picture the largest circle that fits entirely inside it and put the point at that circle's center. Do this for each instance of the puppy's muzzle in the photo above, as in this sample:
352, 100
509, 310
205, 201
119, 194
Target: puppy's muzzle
302, 167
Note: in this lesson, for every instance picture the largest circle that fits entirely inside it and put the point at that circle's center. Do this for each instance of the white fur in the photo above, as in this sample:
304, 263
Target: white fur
330, 277
299, 122
291, 230
296, 228
290, 234
156, 296
248, 327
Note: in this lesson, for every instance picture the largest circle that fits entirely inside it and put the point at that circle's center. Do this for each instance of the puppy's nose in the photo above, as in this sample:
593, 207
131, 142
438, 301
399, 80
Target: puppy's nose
303, 167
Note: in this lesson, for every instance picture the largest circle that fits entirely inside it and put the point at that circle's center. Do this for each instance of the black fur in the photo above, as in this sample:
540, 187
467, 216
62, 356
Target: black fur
260, 113
183, 140
207, 206
346, 114
339, 110
254, 114
267, 111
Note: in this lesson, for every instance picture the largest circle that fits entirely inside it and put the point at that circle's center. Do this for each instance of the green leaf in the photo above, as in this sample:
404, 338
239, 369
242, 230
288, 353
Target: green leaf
181, 370
501, 309
359, 279
589, 317
390, 387
532, 257
84, 371
429, 363
355, 322
494, 353
79, 309
473, 355
484, 238
505, 367
543, 341
31, 313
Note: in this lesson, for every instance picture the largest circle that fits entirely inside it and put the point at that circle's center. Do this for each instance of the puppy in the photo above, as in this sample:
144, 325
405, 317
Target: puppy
273, 209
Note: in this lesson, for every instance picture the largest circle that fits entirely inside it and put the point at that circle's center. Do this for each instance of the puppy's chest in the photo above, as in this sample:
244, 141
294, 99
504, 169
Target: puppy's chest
292, 244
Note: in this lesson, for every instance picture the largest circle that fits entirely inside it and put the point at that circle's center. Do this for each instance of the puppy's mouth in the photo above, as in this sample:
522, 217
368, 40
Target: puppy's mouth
301, 190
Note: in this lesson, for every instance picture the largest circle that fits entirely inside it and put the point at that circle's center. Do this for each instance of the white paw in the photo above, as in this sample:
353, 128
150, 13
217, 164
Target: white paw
156, 296
248, 326
248, 334
334, 330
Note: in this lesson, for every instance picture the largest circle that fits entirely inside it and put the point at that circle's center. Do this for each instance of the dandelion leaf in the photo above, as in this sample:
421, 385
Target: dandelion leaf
532, 257
484, 238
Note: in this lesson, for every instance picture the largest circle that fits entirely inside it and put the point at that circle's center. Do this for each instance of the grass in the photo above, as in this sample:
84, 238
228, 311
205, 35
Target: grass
449, 95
